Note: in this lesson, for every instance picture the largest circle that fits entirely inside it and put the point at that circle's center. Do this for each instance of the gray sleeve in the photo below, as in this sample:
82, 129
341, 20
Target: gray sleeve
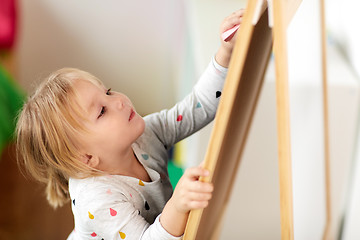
195, 111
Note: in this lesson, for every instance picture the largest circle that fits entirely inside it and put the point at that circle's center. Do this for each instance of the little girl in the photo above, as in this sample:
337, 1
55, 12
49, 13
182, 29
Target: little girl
88, 144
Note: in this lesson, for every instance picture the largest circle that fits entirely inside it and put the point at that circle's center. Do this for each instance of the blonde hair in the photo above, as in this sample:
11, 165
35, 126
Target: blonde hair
47, 129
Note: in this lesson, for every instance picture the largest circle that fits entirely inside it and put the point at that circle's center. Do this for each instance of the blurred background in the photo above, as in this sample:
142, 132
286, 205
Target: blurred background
154, 52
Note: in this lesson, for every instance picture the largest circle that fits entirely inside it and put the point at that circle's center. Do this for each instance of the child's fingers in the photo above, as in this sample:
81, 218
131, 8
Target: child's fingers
230, 26
196, 172
191, 180
198, 200
238, 13
232, 20
236, 16
230, 23
200, 187
199, 196
190, 192
198, 204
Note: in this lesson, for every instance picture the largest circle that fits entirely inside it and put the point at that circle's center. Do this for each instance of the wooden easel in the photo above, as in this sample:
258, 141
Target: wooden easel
250, 58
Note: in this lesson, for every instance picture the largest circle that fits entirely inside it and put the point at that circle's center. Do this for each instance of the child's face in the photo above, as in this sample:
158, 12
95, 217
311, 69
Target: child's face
113, 123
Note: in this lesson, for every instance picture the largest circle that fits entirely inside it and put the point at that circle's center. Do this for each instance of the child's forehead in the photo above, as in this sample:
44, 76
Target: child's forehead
86, 87
87, 83
87, 92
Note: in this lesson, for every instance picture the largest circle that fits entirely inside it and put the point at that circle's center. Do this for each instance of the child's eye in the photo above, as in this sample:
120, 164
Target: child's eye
102, 112
108, 92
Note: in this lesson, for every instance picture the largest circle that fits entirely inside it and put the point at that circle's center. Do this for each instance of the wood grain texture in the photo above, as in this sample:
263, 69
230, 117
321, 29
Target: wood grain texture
283, 119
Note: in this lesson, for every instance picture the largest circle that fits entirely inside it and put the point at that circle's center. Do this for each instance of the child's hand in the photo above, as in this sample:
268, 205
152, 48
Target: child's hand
224, 53
190, 193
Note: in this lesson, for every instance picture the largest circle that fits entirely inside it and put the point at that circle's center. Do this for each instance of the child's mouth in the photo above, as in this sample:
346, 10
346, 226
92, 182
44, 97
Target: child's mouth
132, 114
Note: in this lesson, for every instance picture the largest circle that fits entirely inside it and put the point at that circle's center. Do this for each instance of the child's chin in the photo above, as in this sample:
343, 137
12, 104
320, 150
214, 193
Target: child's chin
141, 126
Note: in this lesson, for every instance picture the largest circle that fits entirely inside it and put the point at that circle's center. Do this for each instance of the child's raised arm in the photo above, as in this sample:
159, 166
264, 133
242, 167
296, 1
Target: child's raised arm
190, 193
198, 108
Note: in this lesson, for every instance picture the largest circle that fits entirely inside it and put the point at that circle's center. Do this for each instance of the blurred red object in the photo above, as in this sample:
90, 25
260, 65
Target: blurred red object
7, 23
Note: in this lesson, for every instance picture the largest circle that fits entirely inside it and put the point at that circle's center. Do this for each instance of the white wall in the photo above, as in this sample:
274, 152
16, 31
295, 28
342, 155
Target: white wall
342, 19
132, 46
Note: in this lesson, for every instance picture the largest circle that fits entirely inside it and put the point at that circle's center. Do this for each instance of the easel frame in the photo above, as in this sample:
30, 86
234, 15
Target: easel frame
238, 103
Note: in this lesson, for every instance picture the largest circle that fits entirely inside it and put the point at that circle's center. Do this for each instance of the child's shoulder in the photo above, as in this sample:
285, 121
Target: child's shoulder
97, 186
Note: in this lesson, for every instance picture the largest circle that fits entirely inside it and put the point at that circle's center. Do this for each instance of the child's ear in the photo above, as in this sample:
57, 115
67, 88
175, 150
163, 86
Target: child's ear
90, 160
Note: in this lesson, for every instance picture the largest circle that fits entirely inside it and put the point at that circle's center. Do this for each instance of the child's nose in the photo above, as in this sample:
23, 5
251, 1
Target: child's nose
120, 104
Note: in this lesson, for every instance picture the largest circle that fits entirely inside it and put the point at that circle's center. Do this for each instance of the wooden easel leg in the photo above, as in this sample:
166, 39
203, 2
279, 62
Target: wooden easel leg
327, 231
283, 121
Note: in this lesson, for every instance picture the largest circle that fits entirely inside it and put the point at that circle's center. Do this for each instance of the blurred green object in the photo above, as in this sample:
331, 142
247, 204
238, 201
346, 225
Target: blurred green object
11, 100
175, 172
